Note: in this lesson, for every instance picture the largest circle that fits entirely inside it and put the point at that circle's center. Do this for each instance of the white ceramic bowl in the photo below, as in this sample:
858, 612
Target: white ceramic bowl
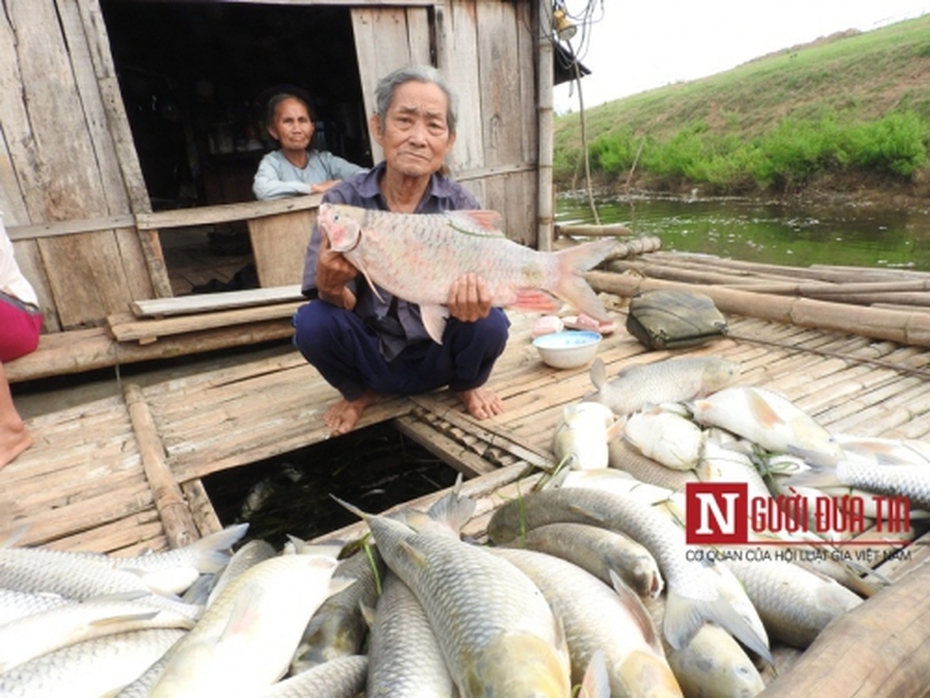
569, 349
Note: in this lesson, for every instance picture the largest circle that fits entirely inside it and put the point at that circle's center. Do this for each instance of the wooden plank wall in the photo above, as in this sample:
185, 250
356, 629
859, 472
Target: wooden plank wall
486, 50
58, 161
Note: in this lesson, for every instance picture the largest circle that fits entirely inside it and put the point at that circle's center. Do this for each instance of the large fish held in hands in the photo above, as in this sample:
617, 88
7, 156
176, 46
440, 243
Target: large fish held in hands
417, 256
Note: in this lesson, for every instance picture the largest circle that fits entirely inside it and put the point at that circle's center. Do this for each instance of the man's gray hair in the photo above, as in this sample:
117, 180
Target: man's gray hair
387, 88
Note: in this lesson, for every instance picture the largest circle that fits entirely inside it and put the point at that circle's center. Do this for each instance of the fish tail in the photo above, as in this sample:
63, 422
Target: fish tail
212, 549
684, 617
572, 287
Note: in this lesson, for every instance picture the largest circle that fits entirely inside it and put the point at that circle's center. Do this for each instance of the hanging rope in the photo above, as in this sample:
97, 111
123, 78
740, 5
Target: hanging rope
575, 24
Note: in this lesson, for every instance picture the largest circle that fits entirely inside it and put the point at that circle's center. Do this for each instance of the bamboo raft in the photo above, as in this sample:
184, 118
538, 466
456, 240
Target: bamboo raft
125, 473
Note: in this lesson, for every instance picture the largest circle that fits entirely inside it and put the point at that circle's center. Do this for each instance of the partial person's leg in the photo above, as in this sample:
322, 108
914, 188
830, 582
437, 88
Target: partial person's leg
14, 437
19, 335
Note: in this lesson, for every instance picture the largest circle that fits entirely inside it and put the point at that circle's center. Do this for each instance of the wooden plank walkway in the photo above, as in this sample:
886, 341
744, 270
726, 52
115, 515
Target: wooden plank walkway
85, 486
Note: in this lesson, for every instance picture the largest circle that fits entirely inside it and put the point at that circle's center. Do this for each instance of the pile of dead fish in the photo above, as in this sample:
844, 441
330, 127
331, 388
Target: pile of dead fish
587, 581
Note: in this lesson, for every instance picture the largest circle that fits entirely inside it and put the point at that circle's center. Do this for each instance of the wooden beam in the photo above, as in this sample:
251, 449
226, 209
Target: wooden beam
126, 328
225, 213
180, 529
210, 302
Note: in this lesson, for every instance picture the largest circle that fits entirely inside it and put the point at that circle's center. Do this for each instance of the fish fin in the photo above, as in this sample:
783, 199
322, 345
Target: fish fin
415, 555
598, 373
635, 606
212, 549
244, 612
615, 430
368, 613
434, 319
572, 286
684, 617
453, 509
364, 271
762, 410
596, 683
534, 299
476, 222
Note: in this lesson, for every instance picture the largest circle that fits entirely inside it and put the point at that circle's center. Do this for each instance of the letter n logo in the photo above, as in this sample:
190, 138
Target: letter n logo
716, 513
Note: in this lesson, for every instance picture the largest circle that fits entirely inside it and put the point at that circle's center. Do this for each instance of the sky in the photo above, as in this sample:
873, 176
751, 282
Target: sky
639, 45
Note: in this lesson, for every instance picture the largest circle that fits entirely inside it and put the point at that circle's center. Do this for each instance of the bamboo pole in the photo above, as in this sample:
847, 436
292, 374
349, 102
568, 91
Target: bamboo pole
180, 529
628, 248
896, 326
593, 231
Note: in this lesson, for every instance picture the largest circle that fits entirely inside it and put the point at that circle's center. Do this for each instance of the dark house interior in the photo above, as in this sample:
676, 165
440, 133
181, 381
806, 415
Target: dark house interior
195, 78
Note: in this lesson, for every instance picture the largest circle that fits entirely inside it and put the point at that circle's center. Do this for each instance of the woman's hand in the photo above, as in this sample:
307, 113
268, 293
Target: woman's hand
469, 298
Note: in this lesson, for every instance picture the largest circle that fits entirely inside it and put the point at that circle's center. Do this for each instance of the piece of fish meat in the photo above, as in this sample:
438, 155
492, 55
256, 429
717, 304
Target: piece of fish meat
417, 256
405, 660
669, 380
769, 420
580, 439
695, 593
597, 617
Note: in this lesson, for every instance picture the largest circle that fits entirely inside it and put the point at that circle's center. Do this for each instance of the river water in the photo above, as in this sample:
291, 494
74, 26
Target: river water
769, 232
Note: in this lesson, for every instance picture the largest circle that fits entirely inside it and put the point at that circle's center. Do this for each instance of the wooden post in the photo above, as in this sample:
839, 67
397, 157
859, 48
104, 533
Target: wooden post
544, 75
180, 529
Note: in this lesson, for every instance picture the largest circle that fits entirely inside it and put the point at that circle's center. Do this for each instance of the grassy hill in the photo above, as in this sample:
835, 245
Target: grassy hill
849, 108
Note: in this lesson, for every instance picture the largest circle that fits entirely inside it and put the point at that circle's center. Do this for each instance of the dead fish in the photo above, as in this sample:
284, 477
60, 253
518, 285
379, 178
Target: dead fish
670, 380
624, 458
19, 604
694, 592
249, 555
795, 604
50, 630
600, 552
341, 677
246, 638
417, 256
769, 420
337, 628
496, 631
99, 667
580, 438
405, 660
666, 437
712, 664
596, 617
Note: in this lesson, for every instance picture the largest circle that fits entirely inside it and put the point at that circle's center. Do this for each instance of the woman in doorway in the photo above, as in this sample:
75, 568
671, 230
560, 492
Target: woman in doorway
296, 168
20, 325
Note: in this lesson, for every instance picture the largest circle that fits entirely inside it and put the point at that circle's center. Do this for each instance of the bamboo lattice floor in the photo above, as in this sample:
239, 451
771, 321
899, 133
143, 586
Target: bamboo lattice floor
84, 484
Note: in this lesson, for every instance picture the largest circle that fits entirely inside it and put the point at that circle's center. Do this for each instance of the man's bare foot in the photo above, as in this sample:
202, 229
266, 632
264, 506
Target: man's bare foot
481, 403
14, 439
342, 416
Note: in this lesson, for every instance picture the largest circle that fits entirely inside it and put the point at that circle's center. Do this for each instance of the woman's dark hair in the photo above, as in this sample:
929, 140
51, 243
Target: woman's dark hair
279, 97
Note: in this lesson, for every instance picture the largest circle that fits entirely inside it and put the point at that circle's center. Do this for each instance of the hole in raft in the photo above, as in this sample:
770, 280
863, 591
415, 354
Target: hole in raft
373, 468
